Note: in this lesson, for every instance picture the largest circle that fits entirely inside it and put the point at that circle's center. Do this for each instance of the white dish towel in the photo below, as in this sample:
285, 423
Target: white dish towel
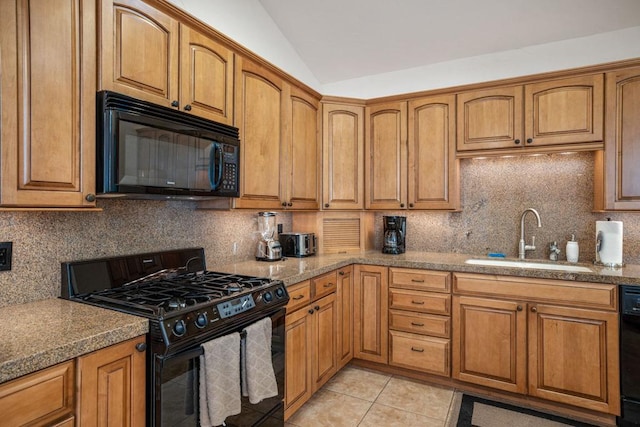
258, 377
220, 380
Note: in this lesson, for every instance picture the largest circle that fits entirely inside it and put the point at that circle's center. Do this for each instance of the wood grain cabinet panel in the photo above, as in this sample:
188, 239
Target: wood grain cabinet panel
112, 383
433, 176
344, 298
342, 156
44, 398
562, 113
617, 175
419, 353
371, 303
47, 82
386, 156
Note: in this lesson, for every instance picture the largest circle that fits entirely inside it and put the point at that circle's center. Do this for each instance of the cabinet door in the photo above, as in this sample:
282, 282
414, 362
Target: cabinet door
433, 176
303, 152
617, 171
566, 111
386, 156
47, 82
206, 77
344, 296
490, 343
298, 383
573, 357
342, 156
139, 51
112, 386
371, 303
260, 100
490, 118
325, 361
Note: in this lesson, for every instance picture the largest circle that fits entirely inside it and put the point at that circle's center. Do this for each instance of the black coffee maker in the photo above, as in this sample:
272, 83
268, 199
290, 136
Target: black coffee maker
395, 230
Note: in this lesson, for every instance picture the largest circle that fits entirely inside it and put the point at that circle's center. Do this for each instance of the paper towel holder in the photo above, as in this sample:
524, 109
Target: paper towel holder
599, 244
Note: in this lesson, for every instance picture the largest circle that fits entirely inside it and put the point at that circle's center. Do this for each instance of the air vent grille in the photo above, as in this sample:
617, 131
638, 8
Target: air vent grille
341, 234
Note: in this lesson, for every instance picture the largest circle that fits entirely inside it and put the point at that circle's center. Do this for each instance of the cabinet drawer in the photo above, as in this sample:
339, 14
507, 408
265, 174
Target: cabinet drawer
563, 292
423, 302
299, 295
420, 353
418, 323
38, 398
324, 285
421, 280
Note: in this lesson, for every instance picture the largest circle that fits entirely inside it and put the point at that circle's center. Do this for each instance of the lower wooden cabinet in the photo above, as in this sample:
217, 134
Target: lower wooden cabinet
546, 338
111, 384
344, 300
370, 311
46, 397
419, 352
311, 357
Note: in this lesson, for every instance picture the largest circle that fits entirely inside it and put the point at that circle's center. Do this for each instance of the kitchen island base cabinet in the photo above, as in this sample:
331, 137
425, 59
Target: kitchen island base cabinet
112, 386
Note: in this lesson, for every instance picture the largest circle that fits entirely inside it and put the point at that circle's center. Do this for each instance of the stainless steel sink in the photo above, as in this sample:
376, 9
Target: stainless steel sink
525, 264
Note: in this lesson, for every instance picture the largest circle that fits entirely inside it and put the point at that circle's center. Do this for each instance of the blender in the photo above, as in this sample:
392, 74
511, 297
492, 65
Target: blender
269, 248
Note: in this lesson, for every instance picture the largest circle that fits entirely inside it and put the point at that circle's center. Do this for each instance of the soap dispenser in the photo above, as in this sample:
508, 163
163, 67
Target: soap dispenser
572, 249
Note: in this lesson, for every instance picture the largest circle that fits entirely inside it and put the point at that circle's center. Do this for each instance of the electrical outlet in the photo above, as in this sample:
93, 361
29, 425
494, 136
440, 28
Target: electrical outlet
5, 255
279, 228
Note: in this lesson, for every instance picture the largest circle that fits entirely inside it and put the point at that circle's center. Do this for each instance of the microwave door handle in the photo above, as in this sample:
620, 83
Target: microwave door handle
213, 179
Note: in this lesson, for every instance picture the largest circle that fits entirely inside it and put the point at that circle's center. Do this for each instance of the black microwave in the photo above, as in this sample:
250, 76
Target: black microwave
147, 151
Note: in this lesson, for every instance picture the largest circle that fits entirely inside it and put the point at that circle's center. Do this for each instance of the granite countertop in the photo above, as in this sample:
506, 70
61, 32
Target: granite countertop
40, 334
294, 270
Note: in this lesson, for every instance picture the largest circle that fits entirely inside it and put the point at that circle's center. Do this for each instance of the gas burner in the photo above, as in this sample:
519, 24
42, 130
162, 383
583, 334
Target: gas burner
176, 303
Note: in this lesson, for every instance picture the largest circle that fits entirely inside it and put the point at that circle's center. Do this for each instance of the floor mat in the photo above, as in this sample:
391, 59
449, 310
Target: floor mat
478, 412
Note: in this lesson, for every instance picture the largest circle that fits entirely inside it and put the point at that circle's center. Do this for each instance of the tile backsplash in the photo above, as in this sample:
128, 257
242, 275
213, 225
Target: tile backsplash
495, 192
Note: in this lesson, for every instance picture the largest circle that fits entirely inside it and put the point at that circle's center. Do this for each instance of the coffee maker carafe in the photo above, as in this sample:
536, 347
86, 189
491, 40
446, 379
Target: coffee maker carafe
395, 228
269, 248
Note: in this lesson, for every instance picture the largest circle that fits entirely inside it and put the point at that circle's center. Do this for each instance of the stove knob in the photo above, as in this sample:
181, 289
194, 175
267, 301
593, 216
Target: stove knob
268, 297
179, 328
201, 320
279, 293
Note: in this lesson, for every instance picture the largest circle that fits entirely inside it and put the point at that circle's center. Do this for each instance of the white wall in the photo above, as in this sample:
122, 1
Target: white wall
247, 22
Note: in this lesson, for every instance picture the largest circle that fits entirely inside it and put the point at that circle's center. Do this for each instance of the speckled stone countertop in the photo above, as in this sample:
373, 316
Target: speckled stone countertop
294, 270
40, 334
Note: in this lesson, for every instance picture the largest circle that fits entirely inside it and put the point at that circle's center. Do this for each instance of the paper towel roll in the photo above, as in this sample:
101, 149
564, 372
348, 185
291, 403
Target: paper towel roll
609, 243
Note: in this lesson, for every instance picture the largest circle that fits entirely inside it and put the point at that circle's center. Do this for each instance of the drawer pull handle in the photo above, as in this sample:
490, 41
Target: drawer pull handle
417, 302
417, 324
328, 285
417, 350
297, 297
418, 280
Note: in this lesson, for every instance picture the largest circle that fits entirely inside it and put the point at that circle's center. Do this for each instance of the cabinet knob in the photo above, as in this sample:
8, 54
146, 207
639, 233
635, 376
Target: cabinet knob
517, 141
519, 308
534, 309
175, 104
284, 204
341, 273
410, 205
402, 205
141, 346
187, 107
316, 308
311, 311
326, 205
90, 197
529, 140
289, 204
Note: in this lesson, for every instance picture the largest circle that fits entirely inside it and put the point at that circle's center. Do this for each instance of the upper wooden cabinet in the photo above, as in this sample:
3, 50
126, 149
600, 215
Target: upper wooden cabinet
386, 156
302, 151
617, 175
261, 98
342, 156
552, 113
47, 87
149, 55
433, 175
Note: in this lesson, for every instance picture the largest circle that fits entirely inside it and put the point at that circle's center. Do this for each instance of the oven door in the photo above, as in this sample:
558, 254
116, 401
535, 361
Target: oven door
175, 388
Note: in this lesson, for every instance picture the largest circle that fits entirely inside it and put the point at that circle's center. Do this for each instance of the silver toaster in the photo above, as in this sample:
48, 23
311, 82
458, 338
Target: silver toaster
297, 244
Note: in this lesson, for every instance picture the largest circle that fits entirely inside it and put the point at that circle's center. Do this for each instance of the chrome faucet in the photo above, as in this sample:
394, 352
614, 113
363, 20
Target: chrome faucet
523, 247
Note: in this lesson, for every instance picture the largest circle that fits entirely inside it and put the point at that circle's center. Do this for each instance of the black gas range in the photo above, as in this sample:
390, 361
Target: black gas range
187, 306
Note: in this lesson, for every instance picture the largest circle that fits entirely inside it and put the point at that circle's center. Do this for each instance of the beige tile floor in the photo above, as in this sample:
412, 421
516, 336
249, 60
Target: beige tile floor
360, 397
